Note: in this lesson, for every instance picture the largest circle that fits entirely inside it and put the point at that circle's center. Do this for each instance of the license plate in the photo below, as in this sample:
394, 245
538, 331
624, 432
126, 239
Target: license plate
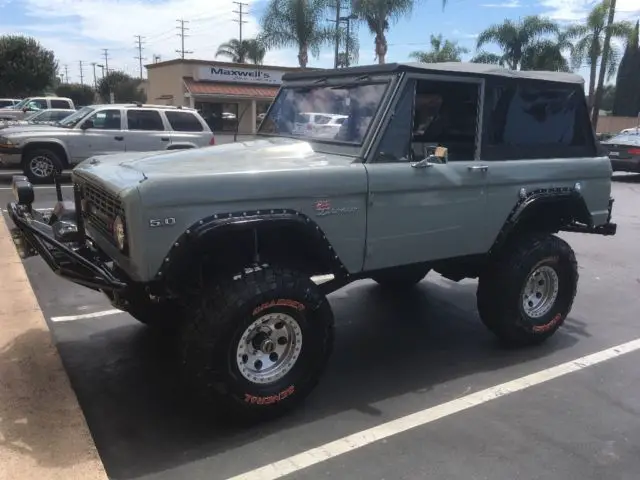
614, 154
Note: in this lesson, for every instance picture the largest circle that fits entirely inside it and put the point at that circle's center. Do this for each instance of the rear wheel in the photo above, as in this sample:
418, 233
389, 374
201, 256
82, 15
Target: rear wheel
258, 343
525, 295
41, 165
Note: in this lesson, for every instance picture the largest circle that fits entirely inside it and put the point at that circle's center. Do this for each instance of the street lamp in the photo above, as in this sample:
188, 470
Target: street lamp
348, 19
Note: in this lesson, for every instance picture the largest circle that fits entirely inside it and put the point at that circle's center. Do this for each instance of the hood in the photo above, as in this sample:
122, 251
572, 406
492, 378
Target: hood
269, 154
30, 130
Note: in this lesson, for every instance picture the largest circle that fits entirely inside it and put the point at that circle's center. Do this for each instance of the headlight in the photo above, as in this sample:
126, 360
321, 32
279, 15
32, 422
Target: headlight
119, 233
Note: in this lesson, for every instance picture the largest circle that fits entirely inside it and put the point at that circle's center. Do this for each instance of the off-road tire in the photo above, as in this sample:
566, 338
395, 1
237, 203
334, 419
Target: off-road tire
400, 278
54, 158
217, 322
501, 289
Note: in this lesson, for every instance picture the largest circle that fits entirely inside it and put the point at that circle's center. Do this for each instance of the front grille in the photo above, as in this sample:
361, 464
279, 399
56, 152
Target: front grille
100, 207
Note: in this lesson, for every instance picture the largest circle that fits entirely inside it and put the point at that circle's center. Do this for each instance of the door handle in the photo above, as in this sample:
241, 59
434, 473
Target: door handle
480, 168
119, 138
164, 139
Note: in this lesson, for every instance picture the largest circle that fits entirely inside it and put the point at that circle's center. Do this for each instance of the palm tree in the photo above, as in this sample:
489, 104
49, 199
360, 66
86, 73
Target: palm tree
515, 39
379, 15
250, 50
547, 55
441, 51
297, 23
589, 42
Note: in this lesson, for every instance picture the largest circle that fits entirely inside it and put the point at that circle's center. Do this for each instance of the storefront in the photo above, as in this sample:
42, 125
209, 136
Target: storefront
228, 95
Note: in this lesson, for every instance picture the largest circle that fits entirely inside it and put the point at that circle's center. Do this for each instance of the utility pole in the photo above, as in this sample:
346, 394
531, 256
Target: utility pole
95, 80
335, 59
240, 13
81, 73
105, 54
182, 29
66, 73
139, 57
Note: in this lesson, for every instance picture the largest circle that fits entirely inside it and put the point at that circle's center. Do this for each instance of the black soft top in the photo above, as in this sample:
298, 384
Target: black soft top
458, 68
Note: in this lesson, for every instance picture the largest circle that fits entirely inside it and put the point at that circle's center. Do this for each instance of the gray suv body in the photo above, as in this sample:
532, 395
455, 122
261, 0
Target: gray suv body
41, 151
463, 169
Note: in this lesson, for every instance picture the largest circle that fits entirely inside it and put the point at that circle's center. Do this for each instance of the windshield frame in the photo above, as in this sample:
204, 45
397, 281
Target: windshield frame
20, 105
76, 115
328, 145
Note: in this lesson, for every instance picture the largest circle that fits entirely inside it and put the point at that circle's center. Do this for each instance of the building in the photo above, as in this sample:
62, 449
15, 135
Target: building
228, 95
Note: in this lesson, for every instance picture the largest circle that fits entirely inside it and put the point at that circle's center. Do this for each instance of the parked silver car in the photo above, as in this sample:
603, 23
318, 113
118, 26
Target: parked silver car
43, 117
33, 104
41, 151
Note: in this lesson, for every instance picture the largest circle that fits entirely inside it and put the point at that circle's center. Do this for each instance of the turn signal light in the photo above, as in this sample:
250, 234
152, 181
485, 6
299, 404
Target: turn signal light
212, 141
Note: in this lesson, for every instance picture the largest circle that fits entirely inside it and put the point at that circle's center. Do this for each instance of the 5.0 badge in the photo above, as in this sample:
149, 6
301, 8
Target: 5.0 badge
162, 222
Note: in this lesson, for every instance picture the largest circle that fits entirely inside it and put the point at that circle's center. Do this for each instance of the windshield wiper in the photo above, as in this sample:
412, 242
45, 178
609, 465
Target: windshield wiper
352, 83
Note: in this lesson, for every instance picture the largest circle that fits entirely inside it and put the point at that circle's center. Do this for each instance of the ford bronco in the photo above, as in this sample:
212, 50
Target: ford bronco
468, 170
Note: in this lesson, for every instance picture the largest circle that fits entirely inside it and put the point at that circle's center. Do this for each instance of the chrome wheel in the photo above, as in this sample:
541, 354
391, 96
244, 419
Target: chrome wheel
269, 348
540, 292
41, 166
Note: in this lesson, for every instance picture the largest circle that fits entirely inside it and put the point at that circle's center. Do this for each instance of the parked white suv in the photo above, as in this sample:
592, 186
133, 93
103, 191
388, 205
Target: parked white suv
41, 151
33, 104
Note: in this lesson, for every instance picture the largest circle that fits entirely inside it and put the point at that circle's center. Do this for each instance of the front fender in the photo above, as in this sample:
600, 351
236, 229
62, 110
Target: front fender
43, 142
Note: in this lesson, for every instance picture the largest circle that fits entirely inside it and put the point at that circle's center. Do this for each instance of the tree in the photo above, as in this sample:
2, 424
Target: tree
626, 101
80, 94
379, 15
588, 44
124, 88
441, 51
250, 50
297, 23
521, 40
547, 55
27, 68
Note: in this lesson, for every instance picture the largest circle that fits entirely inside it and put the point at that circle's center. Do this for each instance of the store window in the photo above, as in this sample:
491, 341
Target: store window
219, 116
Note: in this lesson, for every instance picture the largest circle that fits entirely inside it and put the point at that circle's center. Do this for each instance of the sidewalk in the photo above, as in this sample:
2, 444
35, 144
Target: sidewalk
43, 433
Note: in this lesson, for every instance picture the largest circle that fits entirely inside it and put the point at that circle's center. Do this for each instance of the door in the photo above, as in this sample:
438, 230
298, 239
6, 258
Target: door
99, 134
423, 210
146, 131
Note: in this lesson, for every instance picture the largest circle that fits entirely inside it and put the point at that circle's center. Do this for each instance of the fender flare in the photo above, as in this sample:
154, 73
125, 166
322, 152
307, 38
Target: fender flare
221, 223
44, 143
529, 202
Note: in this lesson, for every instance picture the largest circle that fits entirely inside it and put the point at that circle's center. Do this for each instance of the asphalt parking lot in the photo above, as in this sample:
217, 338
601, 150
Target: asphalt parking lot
424, 351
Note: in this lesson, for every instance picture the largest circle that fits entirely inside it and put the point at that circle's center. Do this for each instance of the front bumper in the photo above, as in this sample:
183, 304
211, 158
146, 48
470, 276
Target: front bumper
63, 244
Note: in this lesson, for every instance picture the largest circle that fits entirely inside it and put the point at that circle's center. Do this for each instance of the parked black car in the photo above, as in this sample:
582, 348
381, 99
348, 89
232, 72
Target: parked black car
624, 152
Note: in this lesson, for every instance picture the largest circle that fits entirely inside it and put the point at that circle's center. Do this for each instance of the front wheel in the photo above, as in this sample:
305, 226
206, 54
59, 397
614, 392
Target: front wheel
526, 293
41, 165
258, 343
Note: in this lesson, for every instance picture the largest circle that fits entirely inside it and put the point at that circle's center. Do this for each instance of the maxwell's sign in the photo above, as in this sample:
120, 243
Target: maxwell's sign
238, 75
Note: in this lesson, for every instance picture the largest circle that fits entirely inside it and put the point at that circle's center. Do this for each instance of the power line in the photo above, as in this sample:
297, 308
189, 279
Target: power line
182, 29
240, 13
81, 73
140, 58
105, 54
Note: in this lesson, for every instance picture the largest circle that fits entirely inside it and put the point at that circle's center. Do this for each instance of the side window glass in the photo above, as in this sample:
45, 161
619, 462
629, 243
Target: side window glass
37, 104
147, 120
183, 122
537, 122
395, 145
59, 115
106, 120
60, 104
44, 116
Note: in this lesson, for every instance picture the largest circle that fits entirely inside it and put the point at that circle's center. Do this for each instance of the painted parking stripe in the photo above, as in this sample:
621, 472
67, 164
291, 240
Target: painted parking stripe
71, 318
361, 439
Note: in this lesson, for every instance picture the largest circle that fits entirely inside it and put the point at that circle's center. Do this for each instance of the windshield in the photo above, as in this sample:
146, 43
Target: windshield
34, 115
625, 138
73, 119
22, 103
334, 113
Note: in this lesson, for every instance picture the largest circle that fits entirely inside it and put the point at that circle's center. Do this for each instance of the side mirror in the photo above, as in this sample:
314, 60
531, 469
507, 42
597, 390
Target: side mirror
87, 124
25, 109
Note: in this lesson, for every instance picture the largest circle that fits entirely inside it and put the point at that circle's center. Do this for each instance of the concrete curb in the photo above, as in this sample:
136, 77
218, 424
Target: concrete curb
43, 433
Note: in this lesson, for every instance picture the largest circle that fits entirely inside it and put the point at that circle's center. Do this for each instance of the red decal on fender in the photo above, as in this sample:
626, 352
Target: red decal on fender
282, 302
271, 399
548, 326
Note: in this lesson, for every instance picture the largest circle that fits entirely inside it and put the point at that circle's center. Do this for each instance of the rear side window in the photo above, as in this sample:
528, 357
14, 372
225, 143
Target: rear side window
60, 103
537, 121
144, 120
184, 122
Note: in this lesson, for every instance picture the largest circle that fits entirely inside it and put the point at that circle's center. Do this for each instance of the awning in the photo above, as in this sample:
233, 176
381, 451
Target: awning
228, 90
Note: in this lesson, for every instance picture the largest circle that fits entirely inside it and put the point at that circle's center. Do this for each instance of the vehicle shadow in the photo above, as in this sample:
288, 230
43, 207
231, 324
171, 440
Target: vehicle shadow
387, 345
628, 178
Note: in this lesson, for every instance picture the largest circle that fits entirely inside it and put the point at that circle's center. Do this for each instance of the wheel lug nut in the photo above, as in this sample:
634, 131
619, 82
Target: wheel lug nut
273, 357
279, 325
282, 341
258, 364
245, 358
